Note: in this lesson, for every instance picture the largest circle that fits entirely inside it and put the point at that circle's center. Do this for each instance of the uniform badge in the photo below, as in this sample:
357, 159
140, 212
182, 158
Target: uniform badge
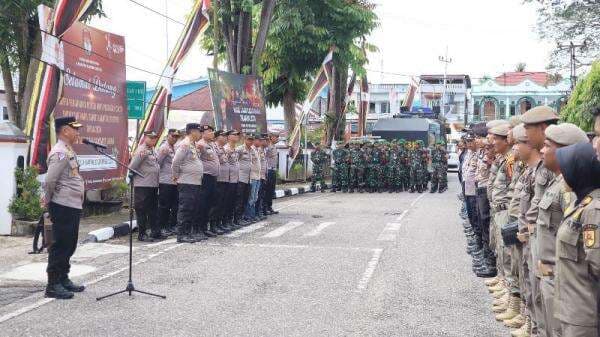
589, 236
61, 155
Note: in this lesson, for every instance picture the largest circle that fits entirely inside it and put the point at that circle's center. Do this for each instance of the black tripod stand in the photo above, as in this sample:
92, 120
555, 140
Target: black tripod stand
132, 173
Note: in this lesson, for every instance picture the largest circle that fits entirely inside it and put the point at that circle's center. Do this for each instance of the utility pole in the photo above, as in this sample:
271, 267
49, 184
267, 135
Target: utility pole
572, 59
446, 60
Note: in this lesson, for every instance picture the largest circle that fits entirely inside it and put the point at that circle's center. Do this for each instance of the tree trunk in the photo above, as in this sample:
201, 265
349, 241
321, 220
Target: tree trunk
25, 97
261, 38
289, 110
216, 35
11, 97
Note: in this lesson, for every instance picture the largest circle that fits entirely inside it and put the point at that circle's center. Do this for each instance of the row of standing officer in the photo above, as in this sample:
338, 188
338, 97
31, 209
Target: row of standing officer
548, 185
204, 184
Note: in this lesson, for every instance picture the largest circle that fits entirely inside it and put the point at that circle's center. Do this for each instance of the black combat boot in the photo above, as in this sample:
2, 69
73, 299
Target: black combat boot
351, 190
70, 286
55, 289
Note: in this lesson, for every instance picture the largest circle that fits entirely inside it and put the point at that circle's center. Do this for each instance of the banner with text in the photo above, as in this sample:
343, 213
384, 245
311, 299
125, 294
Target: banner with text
94, 91
238, 102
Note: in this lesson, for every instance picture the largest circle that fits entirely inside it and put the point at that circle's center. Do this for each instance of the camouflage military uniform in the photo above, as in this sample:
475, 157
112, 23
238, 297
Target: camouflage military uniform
417, 169
375, 179
357, 168
439, 164
319, 160
403, 167
392, 169
341, 159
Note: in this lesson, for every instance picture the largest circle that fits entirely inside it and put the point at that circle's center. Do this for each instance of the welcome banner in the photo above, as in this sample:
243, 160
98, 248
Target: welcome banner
48, 77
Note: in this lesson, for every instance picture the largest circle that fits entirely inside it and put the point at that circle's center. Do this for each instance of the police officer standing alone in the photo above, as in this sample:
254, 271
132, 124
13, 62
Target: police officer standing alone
167, 189
187, 174
145, 194
272, 158
63, 197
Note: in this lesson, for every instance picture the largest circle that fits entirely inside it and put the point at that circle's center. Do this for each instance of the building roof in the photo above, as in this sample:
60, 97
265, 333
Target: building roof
449, 77
514, 78
198, 100
402, 124
181, 88
9, 132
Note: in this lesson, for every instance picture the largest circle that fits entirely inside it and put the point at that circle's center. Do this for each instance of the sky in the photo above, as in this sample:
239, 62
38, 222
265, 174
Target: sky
482, 37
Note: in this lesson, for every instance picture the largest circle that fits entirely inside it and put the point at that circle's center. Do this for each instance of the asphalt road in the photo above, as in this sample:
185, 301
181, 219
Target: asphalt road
327, 265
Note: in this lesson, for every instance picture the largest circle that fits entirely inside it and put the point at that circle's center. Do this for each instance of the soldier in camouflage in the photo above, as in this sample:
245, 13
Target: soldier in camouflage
403, 166
392, 168
417, 168
357, 167
439, 164
375, 179
319, 160
341, 158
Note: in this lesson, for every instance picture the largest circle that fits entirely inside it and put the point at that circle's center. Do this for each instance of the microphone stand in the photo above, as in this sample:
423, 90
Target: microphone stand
130, 288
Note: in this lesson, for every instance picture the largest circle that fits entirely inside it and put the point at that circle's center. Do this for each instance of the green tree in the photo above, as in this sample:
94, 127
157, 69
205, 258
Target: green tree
520, 67
241, 33
20, 40
563, 21
584, 99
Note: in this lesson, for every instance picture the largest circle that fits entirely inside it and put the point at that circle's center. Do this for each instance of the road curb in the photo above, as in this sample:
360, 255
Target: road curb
109, 232
122, 229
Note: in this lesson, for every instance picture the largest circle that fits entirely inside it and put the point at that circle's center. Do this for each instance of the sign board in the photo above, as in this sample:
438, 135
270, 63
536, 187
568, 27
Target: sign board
94, 91
238, 102
136, 95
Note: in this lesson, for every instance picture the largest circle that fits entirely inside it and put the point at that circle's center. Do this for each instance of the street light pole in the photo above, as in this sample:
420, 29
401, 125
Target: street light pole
446, 60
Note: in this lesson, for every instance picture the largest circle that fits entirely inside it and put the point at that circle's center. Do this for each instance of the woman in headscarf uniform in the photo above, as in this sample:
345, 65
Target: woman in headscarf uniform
578, 244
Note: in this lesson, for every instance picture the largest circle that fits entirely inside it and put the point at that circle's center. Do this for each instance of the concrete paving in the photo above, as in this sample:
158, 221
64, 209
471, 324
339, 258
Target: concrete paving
327, 265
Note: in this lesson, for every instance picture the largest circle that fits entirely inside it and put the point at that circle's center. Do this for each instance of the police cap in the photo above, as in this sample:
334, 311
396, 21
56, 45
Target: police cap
192, 126
519, 133
500, 130
566, 134
539, 114
67, 120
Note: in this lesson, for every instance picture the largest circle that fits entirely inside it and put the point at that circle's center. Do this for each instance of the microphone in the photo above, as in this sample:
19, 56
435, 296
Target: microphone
89, 142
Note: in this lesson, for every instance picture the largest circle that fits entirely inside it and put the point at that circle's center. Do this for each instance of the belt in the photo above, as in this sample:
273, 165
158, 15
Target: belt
500, 208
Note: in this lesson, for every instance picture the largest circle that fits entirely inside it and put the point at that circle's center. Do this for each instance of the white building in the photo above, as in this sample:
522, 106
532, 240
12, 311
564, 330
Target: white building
384, 100
512, 94
457, 94
3, 104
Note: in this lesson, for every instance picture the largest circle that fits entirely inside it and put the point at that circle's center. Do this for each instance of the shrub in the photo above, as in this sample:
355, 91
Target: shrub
26, 204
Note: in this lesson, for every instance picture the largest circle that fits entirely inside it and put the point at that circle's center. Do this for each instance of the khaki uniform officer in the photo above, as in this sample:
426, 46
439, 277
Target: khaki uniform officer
531, 158
577, 267
187, 173
552, 205
145, 161
499, 204
167, 189
63, 197
536, 121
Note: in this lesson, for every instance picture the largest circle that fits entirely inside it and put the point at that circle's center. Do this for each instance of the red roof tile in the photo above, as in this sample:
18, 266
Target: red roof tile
198, 100
515, 78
